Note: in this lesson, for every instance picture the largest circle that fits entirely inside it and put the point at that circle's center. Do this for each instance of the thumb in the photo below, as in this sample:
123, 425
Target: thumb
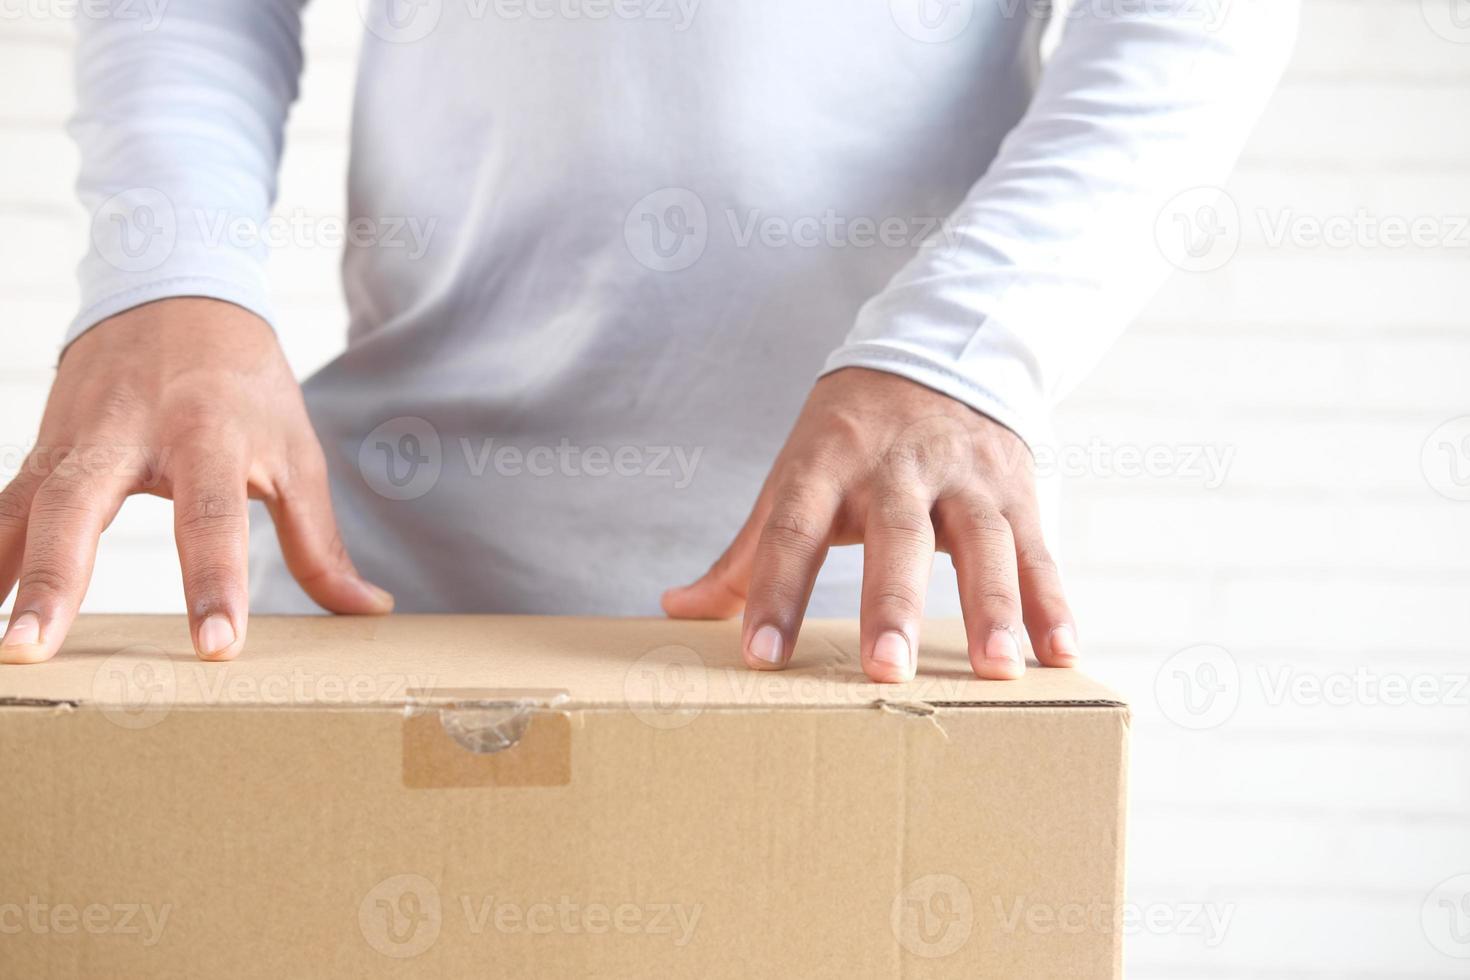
313, 549
720, 592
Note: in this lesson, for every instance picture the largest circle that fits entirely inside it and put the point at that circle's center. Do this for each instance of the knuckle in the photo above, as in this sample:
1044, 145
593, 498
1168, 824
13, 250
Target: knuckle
211, 576
64, 498
793, 530
337, 551
45, 578
899, 514
935, 451
903, 534
1035, 559
207, 434
298, 475
806, 489
118, 405
14, 507
824, 465
982, 514
774, 596
900, 597
208, 515
332, 560
976, 523
998, 598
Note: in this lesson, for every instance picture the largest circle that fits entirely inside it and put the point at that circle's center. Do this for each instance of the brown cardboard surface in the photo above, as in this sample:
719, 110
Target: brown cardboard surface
519, 807
309, 660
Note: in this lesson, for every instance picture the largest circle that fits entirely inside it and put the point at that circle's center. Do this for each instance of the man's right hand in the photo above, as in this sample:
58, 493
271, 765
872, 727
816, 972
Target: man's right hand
189, 399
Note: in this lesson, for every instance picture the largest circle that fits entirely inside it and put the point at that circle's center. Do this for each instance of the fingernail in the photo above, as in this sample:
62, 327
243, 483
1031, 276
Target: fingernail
24, 630
1064, 642
1002, 645
216, 634
382, 598
892, 650
766, 645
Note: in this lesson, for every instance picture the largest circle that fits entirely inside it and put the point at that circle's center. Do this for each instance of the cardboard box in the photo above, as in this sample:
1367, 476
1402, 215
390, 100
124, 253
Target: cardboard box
519, 796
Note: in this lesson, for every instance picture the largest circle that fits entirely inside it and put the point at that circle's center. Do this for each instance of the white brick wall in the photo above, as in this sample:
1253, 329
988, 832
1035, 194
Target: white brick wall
1321, 828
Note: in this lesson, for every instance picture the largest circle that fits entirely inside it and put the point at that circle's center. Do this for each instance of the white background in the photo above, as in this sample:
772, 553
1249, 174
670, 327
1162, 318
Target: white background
1321, 825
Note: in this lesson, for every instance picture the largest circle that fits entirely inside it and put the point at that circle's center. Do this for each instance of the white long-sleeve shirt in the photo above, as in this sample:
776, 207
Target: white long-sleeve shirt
598, 250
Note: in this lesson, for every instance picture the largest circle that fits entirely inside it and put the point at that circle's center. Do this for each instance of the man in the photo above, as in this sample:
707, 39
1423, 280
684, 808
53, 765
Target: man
653, 225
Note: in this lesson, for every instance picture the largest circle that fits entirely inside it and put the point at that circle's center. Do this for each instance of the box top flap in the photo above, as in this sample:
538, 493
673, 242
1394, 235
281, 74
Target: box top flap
589, 662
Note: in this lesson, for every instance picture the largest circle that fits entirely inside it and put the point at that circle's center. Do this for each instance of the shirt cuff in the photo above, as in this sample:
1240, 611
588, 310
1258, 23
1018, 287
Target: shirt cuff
1006, 398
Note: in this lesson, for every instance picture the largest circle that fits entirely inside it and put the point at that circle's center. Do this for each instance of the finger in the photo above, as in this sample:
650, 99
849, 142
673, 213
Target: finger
301, 507
67, 515
1048, 618
898, 553
978, 538
15, 508
720, 592
793, 544
211, 530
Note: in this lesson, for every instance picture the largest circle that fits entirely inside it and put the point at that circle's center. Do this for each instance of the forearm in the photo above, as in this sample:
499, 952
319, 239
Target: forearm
179, 127
1054, 248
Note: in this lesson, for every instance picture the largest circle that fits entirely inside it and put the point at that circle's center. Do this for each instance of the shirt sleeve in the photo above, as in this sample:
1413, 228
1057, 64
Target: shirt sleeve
1054, 249
180, 125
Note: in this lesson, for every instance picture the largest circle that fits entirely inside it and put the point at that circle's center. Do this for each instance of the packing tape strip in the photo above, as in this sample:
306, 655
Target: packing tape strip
481, 739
